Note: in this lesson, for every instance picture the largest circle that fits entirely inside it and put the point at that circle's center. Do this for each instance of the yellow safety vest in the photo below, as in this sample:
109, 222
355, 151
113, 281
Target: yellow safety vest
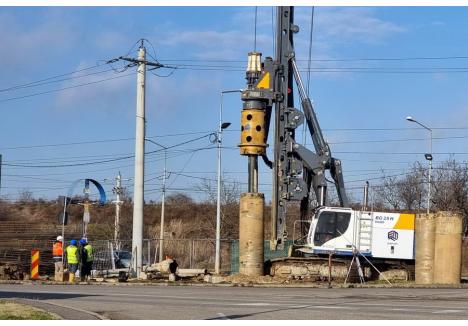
72, 254
89, 253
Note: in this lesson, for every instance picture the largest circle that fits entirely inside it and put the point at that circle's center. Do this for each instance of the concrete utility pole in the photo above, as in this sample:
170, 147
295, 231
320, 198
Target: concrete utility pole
163, 204
118, 191
138, 194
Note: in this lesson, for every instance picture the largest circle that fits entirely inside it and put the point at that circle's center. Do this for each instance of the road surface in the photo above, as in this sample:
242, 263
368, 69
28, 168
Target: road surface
195, 302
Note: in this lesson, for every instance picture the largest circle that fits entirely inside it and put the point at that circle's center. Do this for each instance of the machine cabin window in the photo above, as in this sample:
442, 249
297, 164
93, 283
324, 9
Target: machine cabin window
330, 225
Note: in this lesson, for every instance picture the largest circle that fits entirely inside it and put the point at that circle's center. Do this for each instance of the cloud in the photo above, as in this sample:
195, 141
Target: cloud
107, 96
357, 25
20, 42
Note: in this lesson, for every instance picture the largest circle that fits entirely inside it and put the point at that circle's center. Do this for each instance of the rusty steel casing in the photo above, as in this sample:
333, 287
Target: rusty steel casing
447, 253
253, 136
251, 234
425, 244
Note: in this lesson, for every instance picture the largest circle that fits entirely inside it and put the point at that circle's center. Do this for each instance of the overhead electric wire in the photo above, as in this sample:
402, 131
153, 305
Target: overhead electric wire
102, 161
56, 80
333, 59
65, 88
106, 140
49, 78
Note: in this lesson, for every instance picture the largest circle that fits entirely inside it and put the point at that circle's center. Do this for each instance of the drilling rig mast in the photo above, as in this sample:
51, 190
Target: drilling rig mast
297, 171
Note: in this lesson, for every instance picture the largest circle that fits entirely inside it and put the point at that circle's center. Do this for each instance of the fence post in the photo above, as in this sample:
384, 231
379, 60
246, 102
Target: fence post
149, 252
191, 253
111, 249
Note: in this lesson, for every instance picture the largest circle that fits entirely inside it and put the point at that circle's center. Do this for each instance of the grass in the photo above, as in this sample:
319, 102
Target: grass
15, 311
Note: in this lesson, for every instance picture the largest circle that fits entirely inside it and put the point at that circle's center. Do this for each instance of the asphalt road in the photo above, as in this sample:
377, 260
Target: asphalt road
194, 302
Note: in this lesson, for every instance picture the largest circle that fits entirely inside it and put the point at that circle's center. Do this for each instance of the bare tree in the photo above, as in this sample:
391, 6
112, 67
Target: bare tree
450, 184
410, 189
230, 194
388, 192
25, 196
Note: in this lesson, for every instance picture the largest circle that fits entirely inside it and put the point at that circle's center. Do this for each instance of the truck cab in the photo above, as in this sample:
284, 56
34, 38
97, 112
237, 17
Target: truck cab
375, 234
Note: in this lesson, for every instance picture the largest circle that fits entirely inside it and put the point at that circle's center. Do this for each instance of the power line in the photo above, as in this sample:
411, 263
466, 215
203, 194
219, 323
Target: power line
49, 78
101, 161
64, 88
105, 141
54, 81
334, 60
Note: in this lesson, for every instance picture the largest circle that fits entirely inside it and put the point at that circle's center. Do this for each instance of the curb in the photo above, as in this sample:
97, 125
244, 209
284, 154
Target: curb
246, 284
43, 305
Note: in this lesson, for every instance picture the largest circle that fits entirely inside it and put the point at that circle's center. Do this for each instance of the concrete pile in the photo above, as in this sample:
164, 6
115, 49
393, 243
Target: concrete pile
438, 248
169, 268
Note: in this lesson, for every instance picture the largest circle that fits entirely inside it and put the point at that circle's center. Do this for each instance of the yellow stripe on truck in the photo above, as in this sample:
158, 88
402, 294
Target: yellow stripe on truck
405, 222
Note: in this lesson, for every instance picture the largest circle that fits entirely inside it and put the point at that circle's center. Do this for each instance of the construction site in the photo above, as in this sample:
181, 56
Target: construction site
255, 192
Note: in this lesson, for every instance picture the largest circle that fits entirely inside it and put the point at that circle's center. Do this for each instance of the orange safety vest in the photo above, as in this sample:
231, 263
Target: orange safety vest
57, 249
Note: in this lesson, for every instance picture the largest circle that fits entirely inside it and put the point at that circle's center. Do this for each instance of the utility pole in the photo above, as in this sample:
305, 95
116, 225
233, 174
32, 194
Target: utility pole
118, 191
138, 194
163, 201
221, 127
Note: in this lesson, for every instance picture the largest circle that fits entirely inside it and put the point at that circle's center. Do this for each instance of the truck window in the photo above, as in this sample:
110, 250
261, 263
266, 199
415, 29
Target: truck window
330, 225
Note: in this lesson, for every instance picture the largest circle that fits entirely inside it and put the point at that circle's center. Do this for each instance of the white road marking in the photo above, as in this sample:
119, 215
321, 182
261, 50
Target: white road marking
331, 307
395, 304
257, 304
447, 311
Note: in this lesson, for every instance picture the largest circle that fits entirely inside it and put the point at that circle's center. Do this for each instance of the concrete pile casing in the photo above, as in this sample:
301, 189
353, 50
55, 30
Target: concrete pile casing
425, 245
447, 255
251, 234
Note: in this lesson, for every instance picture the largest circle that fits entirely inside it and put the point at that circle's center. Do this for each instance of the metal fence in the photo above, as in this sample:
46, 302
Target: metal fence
189, 253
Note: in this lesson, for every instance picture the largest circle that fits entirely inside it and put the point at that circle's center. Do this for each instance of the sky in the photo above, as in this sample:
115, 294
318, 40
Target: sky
371, 67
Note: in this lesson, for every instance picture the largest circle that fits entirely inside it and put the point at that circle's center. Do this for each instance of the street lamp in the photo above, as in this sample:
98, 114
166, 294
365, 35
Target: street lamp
428, 157
222, 126
163, 200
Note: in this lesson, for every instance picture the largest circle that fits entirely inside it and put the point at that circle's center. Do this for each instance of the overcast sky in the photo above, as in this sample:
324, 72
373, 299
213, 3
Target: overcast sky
209, 46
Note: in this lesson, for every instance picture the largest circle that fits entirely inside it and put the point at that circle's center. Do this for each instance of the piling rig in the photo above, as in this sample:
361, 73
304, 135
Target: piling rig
299, 176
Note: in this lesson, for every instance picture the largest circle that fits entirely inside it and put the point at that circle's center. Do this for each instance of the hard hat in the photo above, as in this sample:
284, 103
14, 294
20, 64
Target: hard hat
83, 241
60, 238
73, 242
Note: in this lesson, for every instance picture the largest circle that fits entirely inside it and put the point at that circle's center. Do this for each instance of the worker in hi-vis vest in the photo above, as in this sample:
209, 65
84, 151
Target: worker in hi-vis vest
72, 260
87, 258
57, 253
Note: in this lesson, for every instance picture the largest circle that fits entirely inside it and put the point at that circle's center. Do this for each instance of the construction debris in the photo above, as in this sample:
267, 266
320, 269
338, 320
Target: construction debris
11, 272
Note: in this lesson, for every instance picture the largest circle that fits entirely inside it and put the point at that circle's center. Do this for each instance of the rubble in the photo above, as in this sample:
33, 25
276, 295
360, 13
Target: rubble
11, 272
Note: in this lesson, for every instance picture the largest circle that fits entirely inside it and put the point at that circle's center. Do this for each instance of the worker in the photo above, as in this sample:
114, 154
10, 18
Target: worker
72, 259
87, 258
57, 254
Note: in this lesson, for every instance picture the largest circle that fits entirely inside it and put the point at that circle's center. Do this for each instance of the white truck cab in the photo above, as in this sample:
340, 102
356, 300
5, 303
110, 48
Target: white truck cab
374, 234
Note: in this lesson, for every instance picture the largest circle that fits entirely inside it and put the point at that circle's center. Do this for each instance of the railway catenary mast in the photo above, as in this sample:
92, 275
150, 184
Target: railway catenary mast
296, 170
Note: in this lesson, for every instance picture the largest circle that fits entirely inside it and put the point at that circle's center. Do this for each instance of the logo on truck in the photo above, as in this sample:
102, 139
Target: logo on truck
393, 235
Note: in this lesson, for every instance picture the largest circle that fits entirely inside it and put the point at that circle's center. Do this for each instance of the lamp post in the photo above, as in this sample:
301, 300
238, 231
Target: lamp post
222, 125
428, 157
163, 200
